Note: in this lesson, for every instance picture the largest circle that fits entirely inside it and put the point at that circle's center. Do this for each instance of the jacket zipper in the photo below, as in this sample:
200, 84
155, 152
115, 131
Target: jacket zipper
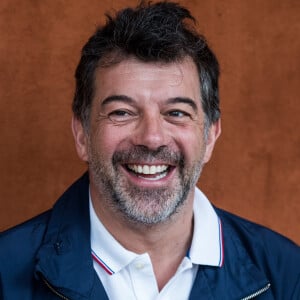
53, 290
257, 293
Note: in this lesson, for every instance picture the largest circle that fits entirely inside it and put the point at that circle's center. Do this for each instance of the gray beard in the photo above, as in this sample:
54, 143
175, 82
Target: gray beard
143, 206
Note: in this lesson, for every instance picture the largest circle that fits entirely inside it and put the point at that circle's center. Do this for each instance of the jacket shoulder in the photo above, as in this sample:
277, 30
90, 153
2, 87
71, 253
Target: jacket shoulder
20, 243
25, 239
275, 255
254, 232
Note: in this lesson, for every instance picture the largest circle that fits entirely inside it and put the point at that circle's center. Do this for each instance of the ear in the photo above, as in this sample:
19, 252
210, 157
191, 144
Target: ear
81, 138
213, 134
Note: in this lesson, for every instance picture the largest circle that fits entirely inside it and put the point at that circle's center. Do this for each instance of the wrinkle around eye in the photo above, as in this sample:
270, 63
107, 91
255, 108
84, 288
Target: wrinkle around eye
101, 116
122, 116
118, 117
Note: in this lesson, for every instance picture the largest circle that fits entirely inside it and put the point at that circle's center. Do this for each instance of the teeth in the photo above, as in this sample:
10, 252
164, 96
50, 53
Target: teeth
148, 169
138, 169
157, 177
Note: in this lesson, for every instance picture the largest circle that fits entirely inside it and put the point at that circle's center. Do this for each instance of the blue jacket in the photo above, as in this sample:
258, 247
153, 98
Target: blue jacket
49, 257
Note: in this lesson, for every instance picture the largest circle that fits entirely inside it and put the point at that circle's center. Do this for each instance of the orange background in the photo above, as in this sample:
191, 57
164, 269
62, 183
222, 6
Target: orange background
255, 170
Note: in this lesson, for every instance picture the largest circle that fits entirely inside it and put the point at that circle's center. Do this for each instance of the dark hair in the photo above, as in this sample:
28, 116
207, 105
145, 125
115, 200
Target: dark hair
159, 32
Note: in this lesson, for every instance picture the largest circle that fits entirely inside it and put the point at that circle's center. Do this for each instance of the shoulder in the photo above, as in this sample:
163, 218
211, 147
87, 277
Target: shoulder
275, 255
253, 232
20, 243
30, 227
26, 238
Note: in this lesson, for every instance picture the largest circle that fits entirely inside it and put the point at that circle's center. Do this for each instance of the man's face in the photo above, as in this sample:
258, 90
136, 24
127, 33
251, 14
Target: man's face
146, 144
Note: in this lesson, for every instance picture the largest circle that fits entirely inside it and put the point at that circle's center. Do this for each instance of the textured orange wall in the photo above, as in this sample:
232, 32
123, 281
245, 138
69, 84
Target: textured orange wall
255, 170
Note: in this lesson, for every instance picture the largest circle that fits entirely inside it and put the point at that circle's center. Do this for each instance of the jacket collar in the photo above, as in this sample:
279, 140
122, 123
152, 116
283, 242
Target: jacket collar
64, 259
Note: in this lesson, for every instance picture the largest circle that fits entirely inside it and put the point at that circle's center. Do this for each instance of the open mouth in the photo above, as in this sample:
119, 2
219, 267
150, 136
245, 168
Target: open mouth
149, 172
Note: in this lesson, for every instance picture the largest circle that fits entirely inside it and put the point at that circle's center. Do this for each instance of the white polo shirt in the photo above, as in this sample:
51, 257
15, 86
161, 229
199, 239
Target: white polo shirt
127, 275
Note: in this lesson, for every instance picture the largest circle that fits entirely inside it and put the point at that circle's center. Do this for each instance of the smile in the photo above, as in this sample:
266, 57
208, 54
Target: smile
149, 172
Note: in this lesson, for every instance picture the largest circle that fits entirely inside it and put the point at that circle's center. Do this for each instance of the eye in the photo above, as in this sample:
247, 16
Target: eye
177, 114
121, 116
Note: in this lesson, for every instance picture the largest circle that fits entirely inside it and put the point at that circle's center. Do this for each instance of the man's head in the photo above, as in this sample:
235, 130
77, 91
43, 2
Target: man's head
160, 32
146, 113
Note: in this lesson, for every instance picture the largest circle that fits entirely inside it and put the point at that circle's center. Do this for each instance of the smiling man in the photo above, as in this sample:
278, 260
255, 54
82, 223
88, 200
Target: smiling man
147, 141
135, 226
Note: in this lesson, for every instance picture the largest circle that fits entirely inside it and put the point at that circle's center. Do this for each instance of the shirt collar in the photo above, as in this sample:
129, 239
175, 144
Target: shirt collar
206, 247
207, 242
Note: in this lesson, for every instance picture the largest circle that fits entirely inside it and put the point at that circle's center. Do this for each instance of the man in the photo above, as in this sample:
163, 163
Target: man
146, 119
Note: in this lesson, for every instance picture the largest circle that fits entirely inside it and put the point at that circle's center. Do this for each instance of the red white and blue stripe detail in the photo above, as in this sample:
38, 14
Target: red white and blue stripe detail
221, 255
102, 264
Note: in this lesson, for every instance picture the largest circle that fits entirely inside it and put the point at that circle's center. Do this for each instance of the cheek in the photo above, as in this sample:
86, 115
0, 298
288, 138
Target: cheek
192, 144
108, 139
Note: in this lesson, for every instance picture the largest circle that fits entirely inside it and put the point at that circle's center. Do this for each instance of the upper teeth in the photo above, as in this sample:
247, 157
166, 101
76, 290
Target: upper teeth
147, 169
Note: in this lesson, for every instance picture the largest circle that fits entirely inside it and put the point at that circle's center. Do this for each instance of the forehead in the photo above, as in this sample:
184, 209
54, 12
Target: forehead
132, 76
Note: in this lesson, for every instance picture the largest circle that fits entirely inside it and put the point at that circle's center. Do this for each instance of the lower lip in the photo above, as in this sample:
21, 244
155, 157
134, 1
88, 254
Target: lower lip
141, 180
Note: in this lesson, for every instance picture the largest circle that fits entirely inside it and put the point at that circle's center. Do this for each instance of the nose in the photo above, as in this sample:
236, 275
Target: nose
150, 132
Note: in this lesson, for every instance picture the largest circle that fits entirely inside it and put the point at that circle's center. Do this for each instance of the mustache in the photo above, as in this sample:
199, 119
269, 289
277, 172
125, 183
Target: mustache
142, 153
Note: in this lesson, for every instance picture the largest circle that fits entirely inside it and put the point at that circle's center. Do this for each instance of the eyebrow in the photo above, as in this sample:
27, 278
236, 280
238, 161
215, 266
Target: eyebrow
126, 99
116, 98
185, 100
